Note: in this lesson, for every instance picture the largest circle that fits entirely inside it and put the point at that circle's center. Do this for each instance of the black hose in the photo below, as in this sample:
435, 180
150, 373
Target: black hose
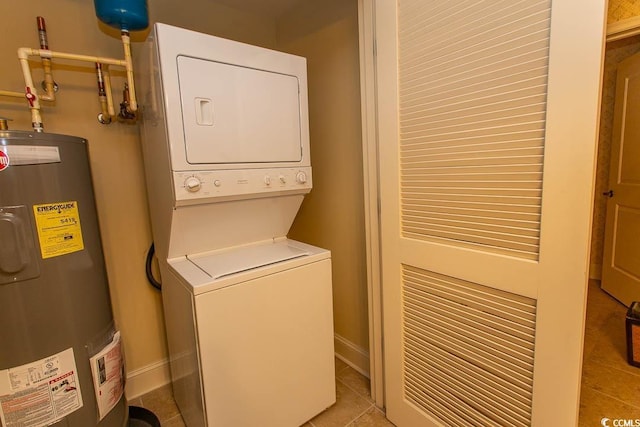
150, 278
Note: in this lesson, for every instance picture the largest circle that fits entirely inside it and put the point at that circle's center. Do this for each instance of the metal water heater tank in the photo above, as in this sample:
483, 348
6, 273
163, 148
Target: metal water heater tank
60, 354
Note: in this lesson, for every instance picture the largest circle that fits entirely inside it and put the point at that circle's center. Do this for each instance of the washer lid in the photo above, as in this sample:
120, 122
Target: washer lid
243, 259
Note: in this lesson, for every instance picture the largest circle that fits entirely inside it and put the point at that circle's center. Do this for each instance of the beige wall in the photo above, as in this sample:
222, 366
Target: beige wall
332, 216
619, 10
208, 17
116, 161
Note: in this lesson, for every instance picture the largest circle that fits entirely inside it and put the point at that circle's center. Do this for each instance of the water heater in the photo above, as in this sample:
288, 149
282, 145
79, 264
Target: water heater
60, 354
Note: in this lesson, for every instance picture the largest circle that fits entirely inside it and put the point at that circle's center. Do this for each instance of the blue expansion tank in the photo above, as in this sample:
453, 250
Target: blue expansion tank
129, 15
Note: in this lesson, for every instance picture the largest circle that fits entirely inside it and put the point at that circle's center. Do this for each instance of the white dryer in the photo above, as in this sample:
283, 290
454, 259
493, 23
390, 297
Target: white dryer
248, 312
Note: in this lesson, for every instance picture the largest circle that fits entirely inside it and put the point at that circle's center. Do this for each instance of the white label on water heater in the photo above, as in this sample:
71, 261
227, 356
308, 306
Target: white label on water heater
40, 393
107, 370
31, 154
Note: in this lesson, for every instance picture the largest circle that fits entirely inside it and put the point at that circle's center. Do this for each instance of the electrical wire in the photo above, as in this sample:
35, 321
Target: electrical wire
152, 280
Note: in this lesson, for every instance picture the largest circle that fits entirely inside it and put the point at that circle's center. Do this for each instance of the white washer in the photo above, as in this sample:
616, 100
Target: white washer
263, 334
248, 312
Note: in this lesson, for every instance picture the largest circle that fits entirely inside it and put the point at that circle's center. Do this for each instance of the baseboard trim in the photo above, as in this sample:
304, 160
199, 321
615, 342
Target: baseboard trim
595, 271
143, 380
352, 354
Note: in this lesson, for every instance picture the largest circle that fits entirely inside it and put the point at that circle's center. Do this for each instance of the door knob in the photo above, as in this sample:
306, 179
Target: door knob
608, 193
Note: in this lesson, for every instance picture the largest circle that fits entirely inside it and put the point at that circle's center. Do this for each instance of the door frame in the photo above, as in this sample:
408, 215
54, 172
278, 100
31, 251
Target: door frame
366, 30
623, 29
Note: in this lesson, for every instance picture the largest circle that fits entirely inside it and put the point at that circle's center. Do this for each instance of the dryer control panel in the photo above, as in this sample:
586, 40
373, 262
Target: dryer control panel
195, 186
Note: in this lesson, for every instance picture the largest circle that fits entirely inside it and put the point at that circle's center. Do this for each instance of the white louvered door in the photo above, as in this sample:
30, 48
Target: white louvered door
487, 114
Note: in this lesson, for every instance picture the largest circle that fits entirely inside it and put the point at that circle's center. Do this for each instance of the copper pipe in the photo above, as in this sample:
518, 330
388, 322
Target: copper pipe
49, 84
42, 33
126, 114
130, 103
104, 116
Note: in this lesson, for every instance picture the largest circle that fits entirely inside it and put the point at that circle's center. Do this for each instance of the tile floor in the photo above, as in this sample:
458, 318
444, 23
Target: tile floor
610, 386
353, 407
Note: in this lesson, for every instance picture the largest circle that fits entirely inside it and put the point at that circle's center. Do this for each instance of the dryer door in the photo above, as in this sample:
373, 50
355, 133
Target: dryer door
234, 114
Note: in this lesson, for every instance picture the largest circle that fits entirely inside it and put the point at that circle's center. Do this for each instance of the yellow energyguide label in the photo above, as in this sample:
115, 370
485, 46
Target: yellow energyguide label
59, 229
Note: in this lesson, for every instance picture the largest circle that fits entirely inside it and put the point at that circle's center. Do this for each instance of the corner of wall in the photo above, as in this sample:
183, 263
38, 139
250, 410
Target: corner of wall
352, 354
143, 380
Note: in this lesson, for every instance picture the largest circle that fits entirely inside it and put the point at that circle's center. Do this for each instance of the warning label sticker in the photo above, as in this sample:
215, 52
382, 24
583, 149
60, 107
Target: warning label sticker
40, 393
107, 372
59, 229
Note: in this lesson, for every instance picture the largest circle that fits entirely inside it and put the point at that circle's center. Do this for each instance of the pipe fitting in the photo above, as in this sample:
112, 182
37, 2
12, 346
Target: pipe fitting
104, 120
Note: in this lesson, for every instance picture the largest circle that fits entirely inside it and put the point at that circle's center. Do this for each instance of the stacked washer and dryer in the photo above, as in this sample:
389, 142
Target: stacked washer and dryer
248, 312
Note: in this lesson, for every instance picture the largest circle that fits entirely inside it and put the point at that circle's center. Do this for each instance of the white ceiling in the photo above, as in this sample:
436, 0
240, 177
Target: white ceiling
271, 8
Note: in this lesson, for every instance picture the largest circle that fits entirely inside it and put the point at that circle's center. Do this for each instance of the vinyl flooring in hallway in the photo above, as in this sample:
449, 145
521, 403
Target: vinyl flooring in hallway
610, 386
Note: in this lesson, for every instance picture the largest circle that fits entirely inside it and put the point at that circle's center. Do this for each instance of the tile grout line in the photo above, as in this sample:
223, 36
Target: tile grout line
367, 398
371, 404
612, 366
360, 415
344, 369
613, 397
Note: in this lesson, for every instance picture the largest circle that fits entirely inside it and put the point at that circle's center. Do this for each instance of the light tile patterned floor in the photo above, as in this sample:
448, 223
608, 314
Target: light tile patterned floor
354, 406
610, 386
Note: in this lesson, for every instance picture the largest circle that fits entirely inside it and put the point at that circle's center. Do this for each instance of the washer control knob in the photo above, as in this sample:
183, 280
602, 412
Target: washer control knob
217, 183
267, 180
301, 177
192, 184
283, 179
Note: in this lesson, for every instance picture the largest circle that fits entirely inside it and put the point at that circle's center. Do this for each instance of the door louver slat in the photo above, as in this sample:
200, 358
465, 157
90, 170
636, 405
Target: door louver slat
473, 397
468, 350
473, 122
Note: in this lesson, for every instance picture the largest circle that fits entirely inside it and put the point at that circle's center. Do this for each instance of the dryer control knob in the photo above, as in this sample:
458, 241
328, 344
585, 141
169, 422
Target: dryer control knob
283, 179
267, 180
301, 177
192, 184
